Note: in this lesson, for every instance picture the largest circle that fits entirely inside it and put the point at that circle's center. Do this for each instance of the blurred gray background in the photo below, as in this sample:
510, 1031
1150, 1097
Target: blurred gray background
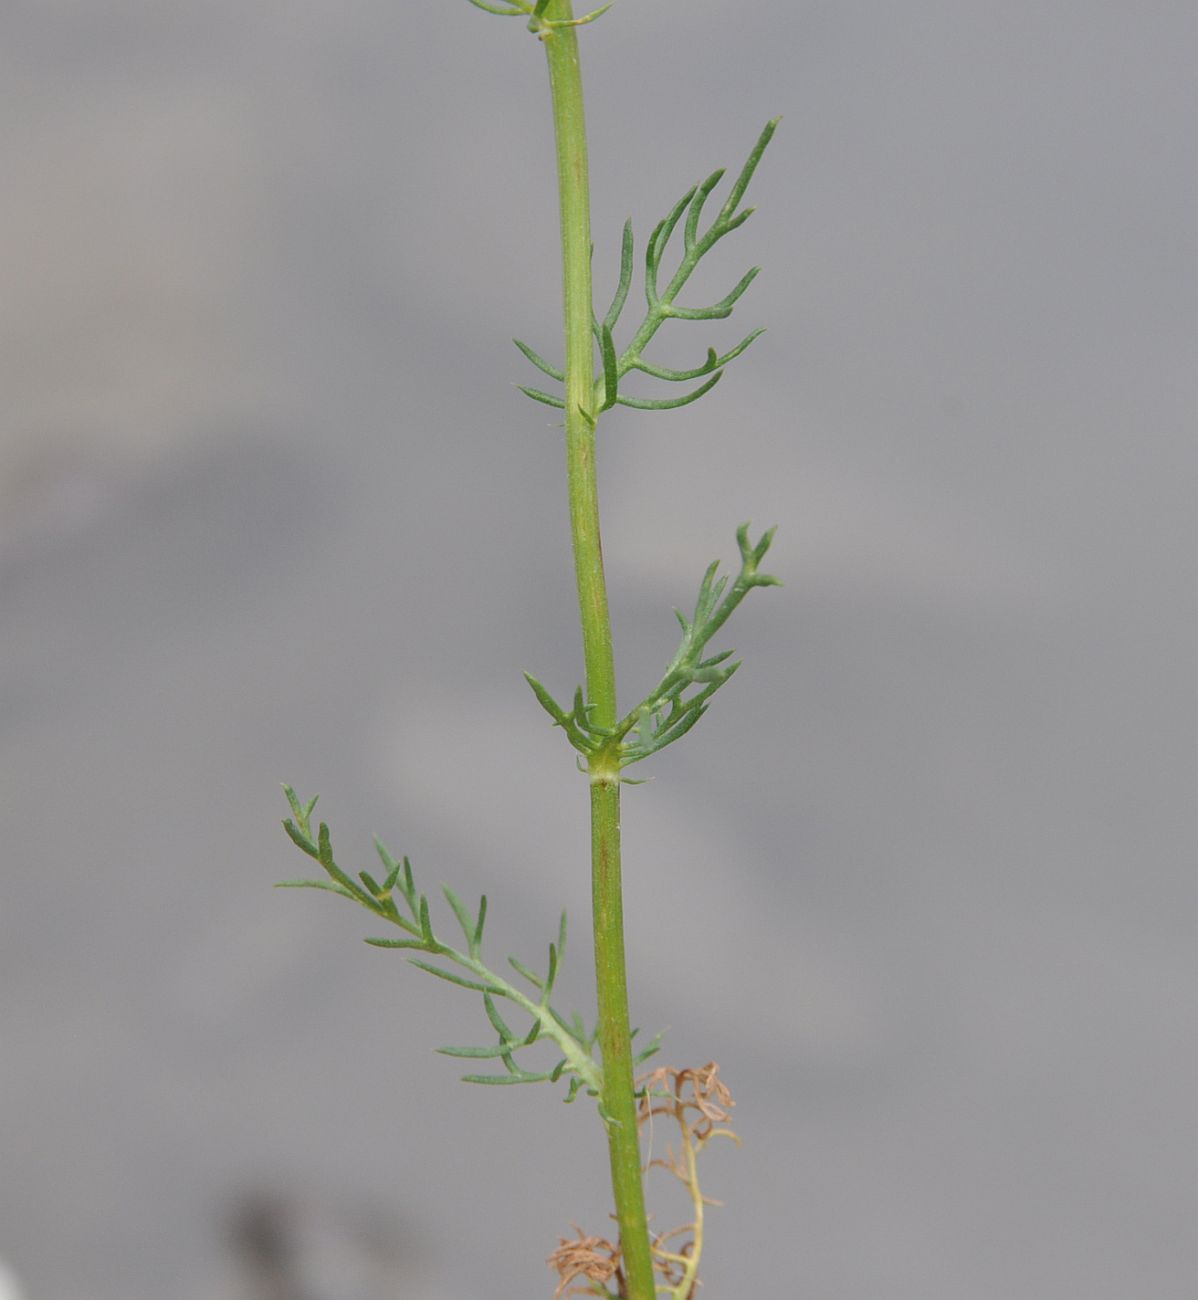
271, 509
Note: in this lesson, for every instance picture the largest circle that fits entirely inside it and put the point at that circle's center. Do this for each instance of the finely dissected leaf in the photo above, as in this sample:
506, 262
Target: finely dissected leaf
426, 924
521, 1077
576, 724
477, 938
541, 364
547, 702
551, 974
746, 172
324, 853
625, 282
529, 974
669, 403
668, 734
300, 840
390, 866
691, 230
465, 920
574, 1027
668, 713
476, 1053
495, 9
679, 376
590, 18
538, 396
454, 978
607, 350
472, 974
713, 362
496, 1019
661, 303
721, 309
330, 885
652, 1049
658, 240
301, 811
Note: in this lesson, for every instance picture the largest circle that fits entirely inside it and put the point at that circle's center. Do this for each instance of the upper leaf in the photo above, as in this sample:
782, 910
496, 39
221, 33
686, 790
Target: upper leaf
662, 302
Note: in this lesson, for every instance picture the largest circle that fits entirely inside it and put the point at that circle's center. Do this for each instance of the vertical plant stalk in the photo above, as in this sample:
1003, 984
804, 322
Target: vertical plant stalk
593, 725
618, 1096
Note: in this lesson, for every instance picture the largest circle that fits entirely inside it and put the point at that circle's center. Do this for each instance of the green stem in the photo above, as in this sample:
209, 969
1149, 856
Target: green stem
618, 1098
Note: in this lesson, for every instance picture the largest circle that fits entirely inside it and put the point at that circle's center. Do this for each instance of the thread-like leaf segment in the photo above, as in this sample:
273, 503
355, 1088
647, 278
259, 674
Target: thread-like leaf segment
538, 24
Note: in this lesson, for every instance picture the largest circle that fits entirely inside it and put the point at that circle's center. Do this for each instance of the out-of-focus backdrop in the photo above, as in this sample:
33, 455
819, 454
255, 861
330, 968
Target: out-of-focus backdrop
924, 881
